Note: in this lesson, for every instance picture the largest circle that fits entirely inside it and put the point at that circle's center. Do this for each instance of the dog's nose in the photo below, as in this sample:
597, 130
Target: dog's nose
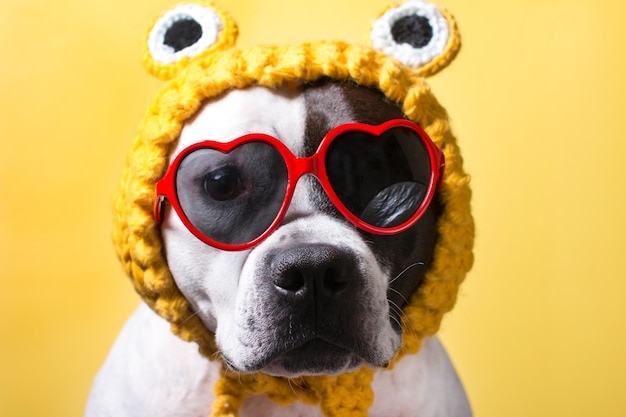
320, 272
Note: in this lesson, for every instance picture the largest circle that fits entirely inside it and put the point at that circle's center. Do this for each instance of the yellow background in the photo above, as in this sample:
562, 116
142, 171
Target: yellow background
537, 98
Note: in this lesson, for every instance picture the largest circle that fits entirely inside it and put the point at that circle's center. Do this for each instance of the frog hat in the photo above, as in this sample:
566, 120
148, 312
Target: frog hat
192, 48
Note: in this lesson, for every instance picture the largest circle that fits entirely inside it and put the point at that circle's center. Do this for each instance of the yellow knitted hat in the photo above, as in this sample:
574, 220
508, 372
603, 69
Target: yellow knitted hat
192, 48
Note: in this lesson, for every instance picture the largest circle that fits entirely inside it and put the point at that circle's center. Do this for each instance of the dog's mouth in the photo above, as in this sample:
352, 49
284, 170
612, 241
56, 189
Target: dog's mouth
314, 357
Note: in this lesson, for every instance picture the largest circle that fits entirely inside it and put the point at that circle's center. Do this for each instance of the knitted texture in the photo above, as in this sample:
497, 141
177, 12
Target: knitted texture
382, 30
345, 395
206, 76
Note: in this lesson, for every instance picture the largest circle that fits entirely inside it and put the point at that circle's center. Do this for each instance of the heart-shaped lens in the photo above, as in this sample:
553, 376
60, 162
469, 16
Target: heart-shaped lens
232, 197
381, 179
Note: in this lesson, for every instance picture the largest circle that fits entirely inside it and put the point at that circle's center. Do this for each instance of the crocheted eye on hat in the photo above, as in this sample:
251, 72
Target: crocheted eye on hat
192, 47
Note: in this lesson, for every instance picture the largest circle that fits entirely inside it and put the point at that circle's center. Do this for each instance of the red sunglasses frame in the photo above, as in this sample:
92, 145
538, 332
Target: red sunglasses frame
296, 168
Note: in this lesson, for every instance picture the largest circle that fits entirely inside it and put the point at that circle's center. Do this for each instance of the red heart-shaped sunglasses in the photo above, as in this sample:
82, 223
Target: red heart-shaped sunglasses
233, 195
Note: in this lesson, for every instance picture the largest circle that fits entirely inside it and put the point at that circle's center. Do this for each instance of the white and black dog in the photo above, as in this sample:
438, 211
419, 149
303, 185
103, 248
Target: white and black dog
318, 296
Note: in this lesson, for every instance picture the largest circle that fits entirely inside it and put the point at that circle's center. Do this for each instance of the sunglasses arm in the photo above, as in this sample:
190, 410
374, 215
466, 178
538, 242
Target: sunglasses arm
158, 207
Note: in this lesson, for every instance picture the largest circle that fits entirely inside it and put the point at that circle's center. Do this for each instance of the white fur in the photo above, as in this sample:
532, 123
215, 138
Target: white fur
151, 372
266, 112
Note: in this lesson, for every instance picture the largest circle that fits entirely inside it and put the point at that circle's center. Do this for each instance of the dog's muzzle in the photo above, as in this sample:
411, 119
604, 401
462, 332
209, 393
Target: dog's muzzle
315, 309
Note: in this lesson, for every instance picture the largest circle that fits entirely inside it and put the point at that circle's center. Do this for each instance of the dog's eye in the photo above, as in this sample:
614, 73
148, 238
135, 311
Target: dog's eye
223, 184
415, 33
184, 31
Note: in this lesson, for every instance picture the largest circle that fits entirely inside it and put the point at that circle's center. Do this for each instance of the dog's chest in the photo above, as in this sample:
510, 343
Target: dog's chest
417, 383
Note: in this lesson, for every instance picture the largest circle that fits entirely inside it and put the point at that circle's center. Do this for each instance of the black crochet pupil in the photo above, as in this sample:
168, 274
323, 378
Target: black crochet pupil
414, 30
182, 34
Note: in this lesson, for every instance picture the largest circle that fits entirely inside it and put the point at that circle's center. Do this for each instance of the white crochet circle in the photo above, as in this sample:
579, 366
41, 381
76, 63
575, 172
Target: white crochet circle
382, 38
206, 17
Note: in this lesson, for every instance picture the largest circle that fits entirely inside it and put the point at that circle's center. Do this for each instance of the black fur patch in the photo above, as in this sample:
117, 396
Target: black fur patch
407, 255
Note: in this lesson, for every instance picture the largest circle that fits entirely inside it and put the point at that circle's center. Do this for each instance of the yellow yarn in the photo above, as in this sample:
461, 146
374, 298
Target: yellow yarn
344, 395
192, 81
226, 39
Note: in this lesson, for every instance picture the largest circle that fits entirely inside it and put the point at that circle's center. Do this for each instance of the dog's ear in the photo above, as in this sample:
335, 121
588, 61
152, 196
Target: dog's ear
185, 32
421, 35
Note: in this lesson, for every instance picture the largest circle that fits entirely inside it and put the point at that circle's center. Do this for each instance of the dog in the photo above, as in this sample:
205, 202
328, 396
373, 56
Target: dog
316, 296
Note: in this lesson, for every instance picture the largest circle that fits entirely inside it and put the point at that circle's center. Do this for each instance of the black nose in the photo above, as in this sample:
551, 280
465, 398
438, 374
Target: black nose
320, 272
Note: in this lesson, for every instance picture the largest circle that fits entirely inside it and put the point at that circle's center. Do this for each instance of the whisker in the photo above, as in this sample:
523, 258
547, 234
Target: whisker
302, 386
395, 320
420, 263
393, 306
400, 294
192, 315
216, 356
293, 385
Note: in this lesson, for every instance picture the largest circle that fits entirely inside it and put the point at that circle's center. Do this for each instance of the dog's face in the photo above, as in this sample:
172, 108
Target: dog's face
319, 295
